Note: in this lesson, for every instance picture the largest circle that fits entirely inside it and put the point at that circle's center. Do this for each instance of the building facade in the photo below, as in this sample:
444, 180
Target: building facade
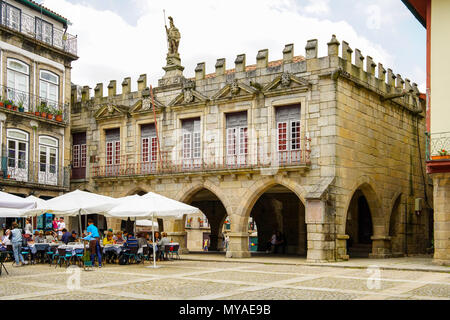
434, 15
323, 150
35, 59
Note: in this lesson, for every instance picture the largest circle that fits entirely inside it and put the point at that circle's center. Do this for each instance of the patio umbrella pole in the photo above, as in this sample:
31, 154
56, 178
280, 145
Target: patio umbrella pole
153, 239
79, 223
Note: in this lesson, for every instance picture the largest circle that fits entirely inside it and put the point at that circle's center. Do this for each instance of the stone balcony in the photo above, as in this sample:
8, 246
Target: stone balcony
212, 161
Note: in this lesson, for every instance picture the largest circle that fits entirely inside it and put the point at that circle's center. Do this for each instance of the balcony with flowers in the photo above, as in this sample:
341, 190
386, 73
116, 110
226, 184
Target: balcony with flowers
438, 152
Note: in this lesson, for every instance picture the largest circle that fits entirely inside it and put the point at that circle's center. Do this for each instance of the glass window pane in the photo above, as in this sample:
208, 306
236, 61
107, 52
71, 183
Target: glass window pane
48, 141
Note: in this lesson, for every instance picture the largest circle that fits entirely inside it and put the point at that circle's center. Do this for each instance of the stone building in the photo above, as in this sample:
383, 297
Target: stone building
322, 149
36, 53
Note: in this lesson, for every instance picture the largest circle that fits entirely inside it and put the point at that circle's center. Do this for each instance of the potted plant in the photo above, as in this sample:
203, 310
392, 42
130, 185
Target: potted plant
14, 107
50, 113
1, 102
443, 155
58, 115
43, 109
9, 104
21, 107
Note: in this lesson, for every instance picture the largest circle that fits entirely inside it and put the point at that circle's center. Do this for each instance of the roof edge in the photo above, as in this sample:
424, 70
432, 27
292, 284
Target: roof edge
45, 11
415, 13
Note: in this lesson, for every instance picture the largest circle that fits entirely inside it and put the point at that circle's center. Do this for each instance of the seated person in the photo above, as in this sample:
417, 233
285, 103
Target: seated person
108, 239
162, 245
65, 236
110, 254
142, 241
49, 237
119, 238
5, 239
40, 237
73, 237
131, 241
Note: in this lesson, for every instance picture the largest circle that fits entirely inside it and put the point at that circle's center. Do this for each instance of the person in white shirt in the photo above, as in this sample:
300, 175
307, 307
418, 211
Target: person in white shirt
28, 227
61, 226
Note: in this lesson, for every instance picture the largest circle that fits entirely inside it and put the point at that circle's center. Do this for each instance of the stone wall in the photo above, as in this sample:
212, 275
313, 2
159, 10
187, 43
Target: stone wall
359, 133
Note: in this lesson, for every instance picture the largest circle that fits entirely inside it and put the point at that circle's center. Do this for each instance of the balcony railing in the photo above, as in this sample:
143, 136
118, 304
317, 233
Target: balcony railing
438, 146
17, 170
32, 104
27, 25
211, 159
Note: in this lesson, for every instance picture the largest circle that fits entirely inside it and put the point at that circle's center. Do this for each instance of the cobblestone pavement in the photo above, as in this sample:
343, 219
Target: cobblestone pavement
207, 280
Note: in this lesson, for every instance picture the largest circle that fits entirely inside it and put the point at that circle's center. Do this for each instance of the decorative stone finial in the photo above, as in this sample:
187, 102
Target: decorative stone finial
220, 66
240, 63
200, 71
333, 46
288, 52
262, 58
112, 88
311, 49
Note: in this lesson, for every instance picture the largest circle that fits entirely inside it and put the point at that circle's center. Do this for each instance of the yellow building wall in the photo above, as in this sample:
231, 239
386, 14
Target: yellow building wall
440, 66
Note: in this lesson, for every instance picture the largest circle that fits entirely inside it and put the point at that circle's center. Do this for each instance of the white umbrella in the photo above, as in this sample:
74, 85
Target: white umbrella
146, 223
150, 205
12, 213
40, 203
75, 203
14, 202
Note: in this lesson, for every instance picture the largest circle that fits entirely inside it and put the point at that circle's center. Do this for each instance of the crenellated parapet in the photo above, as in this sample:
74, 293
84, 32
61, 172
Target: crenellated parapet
341, 61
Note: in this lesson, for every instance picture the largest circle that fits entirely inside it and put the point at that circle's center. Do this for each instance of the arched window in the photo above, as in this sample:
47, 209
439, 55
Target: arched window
48, 160
18, 80
49, 88
17, 143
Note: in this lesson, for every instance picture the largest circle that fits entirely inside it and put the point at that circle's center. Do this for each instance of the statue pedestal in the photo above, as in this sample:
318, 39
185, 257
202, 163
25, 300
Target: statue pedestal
174, 71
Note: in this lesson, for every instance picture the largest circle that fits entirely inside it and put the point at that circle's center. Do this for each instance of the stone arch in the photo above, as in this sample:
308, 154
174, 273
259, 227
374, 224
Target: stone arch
185, 195
395, 224
136, 190
366, 185
252, 195
214, 206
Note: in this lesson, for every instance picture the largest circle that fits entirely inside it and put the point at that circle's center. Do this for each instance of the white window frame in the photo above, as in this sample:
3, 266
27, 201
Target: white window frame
13, 74
48, 84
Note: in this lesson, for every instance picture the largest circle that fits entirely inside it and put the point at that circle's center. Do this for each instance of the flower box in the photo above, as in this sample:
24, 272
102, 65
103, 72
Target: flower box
447, 157
2, 104
37, 113
44, 114
50, 116
58, 118
9, 106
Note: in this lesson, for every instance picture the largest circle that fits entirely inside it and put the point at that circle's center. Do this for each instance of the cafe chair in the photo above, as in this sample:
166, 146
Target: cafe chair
174, 251
145, 254
51, 254
65, 256
132, 253
3, 255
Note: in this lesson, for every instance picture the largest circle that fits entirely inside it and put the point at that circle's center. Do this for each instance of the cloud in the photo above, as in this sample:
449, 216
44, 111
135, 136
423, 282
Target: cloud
318, 7
111, 49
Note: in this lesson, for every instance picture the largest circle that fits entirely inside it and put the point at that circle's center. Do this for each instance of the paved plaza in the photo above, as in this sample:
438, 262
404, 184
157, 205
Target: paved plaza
205, 277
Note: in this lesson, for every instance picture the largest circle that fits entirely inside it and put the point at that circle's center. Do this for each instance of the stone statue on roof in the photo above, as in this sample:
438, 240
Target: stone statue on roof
173, 37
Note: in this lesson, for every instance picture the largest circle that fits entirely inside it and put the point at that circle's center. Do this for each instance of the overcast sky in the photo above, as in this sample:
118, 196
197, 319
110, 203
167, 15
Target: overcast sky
122, 38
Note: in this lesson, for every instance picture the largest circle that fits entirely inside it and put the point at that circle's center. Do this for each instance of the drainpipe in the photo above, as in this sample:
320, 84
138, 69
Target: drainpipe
406, 226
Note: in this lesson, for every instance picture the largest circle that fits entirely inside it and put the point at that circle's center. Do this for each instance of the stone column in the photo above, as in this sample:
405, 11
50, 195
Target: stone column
341, 247
381, 247
320, 228
176, 232
238, 245
441, 201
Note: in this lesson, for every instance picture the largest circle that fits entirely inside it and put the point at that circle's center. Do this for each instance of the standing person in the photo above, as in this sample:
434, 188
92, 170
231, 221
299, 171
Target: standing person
28, 227
16, 240
61, 227
94, 244
55, 224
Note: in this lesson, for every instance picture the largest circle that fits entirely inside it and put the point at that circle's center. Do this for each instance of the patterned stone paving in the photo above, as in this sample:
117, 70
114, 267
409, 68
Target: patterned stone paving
207, 280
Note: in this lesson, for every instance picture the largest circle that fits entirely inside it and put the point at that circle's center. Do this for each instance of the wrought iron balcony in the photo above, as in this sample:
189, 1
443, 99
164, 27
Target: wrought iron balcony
438, 146
21, 101
209, 160
33, 27
18, 171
